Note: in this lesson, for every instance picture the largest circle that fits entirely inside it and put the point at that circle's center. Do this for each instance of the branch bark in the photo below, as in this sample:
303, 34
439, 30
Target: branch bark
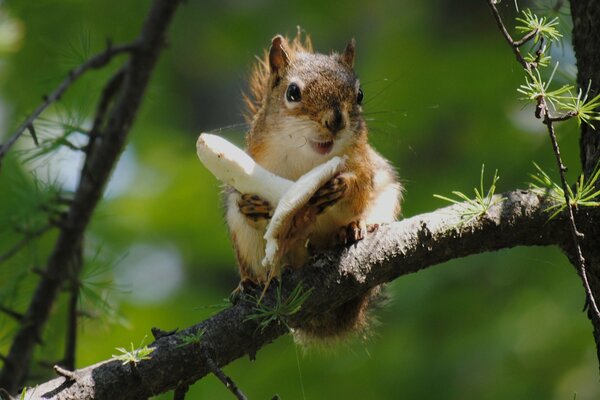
394, 250
586, 39
107, 147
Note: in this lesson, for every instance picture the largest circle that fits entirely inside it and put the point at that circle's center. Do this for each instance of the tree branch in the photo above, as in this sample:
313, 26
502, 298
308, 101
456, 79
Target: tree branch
98, 165
335, 277
515, 45
95, 62
29, 236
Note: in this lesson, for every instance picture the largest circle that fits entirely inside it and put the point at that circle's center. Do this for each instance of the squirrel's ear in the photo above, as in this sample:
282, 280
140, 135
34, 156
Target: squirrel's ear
279, 58
347, 56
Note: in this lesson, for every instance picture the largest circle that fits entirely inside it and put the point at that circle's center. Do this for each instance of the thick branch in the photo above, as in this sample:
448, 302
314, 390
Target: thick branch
98, 166
336, 277
586, 39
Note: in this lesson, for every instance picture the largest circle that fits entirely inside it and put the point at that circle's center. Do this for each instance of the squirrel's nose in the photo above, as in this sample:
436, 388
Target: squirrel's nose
334, 120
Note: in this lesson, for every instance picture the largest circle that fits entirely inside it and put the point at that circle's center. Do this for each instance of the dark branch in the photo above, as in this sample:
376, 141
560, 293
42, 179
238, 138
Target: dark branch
97, 61
514, 45
227, 381
11, 313
68, 360
98, 166
575, 234
336, 277
71, 376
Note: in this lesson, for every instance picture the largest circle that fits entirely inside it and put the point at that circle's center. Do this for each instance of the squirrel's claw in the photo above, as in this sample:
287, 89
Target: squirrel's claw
246, 285
254, 207
352, 233
329, 194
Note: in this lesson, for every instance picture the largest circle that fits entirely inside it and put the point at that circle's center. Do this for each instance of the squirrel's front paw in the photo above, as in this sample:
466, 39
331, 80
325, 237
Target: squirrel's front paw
353, 232
255, 208
329, 194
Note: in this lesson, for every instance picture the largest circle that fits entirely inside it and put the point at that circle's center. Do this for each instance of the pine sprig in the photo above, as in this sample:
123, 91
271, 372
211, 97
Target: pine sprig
586, 194
535, 88
471, 209
134, 355
281, 310
539, 27
581, 108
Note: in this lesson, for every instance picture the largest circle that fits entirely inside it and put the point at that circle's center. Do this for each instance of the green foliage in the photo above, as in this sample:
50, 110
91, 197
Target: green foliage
192, 338
134, 355
471, 209
535, 88
98, 289
281, 310
581, 108
539, 27
586, 193
542, 61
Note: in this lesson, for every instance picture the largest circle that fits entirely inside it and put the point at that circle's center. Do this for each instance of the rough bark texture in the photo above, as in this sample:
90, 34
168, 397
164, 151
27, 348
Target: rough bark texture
336, 277
586, 41
108, 146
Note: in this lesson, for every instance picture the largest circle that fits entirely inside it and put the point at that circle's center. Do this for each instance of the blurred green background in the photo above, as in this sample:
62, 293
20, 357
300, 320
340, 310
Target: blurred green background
440, 96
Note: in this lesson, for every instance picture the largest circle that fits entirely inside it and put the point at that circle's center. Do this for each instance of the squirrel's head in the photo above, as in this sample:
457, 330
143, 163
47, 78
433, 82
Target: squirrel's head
311, 106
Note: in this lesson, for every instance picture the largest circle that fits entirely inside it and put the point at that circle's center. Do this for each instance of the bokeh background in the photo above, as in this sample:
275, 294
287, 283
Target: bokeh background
440, 97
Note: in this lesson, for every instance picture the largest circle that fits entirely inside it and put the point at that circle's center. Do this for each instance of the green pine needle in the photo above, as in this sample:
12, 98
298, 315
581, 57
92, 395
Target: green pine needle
586, 194
281, 310
471, 209
583, 109
191, 338
134, 356
541, 26
535, 88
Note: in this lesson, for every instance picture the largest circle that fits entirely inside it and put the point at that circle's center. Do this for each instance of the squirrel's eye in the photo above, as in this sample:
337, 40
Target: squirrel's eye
359, 96
293, 93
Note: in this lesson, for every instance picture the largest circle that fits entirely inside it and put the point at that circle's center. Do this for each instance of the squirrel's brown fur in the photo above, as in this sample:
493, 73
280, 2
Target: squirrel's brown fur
303, 109
259, 75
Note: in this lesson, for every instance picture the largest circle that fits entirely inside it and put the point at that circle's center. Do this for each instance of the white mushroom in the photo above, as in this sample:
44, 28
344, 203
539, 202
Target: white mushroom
233, 166
292, 201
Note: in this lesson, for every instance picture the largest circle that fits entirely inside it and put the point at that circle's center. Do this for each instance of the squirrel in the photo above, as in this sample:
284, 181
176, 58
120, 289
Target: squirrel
304, 108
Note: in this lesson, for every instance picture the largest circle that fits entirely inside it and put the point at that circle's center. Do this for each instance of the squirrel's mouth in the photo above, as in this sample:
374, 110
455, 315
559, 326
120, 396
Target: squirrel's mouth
322, 147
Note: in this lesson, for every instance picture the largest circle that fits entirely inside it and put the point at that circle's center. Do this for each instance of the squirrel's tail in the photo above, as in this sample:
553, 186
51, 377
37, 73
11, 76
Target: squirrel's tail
352, 319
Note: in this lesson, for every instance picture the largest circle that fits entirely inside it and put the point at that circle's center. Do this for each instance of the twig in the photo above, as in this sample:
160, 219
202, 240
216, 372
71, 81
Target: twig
97, 61
71, 335
227, 381
108, 94
542, 112
159, 333
24, 242
574, 232
11, 313
69, 375
31, 130
513, 45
